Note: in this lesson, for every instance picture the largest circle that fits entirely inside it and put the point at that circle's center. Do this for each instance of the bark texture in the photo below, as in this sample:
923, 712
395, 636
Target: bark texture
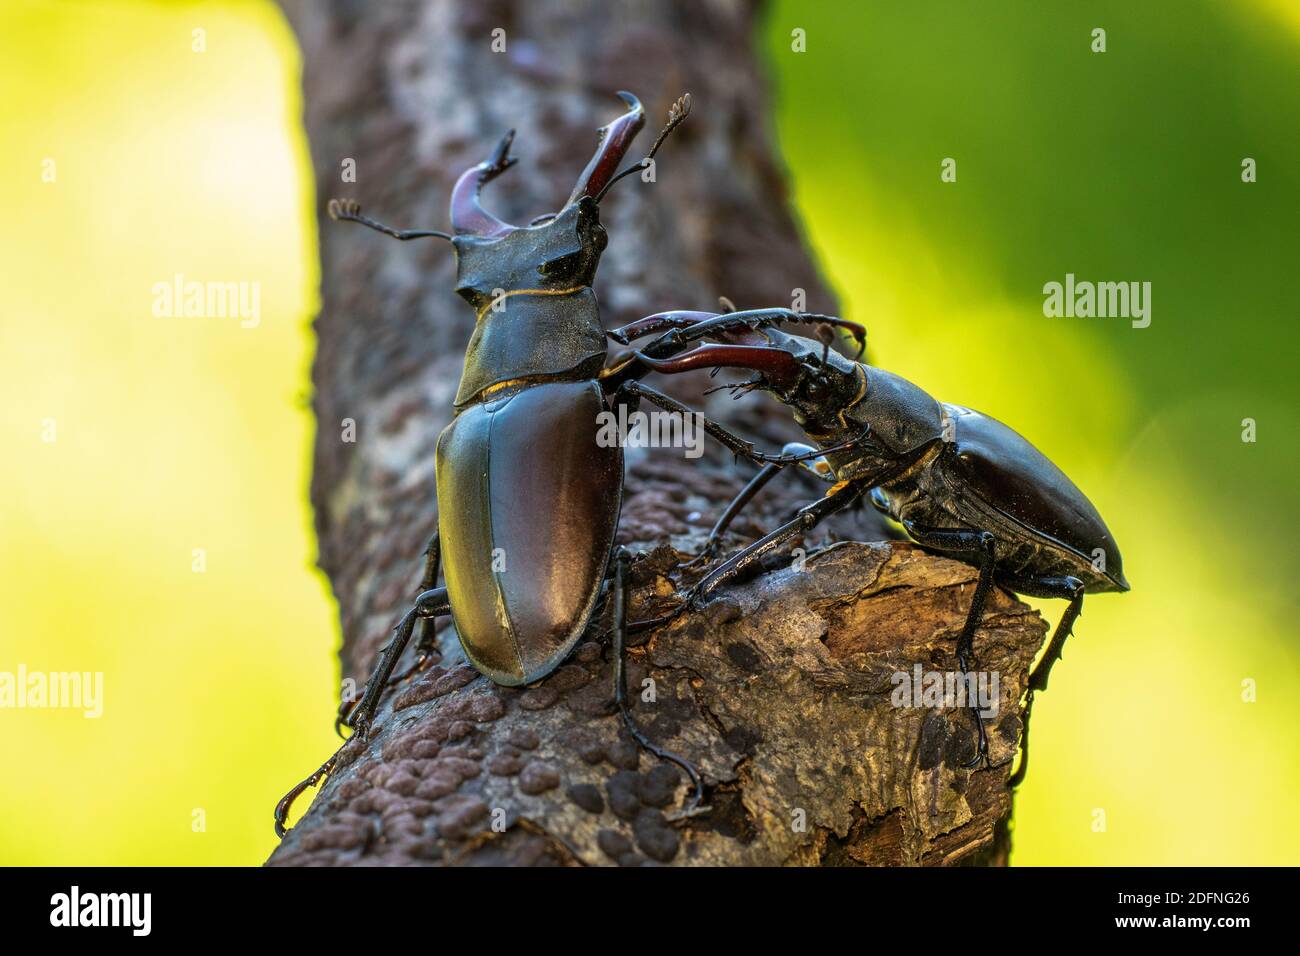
779, 689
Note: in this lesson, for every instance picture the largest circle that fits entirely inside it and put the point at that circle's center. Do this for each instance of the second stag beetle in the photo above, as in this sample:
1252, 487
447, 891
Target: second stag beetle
959, 482
521, 458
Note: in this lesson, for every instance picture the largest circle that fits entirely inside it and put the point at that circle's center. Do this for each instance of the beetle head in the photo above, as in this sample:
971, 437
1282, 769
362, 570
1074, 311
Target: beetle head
815, 381
556, 253
560, 255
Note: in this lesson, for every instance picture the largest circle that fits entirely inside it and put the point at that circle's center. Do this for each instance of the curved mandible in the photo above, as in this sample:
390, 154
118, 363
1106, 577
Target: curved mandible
467, 216
610, 150
778, 367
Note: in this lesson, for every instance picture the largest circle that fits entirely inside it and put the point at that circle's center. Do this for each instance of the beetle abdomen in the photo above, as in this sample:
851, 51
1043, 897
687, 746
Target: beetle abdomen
528, 506
1012, 476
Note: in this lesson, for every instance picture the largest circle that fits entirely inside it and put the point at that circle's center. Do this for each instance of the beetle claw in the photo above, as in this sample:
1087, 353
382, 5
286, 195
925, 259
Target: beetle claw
707, 554
686, 813
979, 758
361, 728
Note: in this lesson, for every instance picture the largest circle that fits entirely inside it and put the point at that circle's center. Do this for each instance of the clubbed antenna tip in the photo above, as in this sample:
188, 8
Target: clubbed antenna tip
678, 112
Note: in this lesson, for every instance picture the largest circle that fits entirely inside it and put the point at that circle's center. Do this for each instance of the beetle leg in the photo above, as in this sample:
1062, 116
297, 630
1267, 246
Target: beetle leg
675, 330
819, 467
978, 544
630, 394
1071, 589
425, 645
286, 802
665, 325
837, 499
755, 319
429, 604
622, 561
433, 603
808, 518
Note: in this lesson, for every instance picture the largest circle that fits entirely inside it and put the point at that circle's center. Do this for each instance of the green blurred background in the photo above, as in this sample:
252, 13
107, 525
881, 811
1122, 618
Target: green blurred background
176, 434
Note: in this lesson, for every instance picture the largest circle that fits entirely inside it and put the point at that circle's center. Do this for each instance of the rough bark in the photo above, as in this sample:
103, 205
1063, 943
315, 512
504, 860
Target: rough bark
780, 689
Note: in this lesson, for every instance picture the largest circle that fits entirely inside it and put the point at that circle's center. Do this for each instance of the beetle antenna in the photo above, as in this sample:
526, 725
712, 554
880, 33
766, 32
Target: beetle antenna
350, 211
826, 335
676, 114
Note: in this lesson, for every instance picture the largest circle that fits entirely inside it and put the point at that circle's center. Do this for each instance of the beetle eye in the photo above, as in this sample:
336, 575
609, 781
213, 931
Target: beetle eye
561, 265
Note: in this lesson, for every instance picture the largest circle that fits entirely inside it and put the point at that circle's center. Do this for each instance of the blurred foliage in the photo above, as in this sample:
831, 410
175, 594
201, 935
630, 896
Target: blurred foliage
175, 434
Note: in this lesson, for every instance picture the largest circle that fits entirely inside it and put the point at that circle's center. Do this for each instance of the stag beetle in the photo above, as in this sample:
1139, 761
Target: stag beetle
958, 481
521, 457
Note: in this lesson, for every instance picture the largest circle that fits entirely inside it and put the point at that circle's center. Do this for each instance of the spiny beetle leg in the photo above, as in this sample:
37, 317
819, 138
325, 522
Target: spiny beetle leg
622, 562
344, 716
346, 708
979, 544
431, 603
286, 802
836, 499
1070, 588
685, 327
808, 518
426, 644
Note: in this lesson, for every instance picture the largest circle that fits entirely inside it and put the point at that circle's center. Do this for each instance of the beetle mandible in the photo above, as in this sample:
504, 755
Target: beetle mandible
959, 482
533, 385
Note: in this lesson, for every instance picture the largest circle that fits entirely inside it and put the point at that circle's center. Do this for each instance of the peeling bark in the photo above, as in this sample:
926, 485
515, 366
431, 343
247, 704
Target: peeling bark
780, 688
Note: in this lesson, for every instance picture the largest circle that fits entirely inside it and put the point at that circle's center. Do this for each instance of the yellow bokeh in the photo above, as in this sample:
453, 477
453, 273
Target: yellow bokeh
129, 158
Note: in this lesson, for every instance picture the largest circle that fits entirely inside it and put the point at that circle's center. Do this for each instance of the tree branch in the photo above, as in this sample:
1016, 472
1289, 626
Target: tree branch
779, 689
